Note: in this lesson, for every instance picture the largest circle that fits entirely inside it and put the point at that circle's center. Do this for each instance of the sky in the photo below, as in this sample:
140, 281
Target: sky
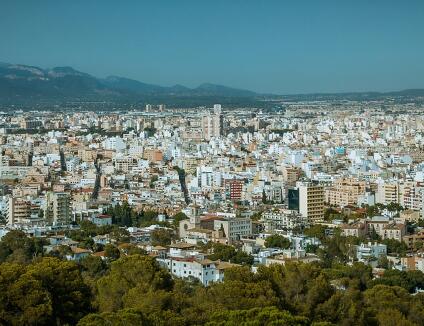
280, 47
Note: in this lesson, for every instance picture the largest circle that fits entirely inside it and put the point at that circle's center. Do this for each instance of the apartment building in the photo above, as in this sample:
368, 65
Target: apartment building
58, 207
311, 201
291, 175
345, 192
388, 192
212, 124
283, 219
234, 189
153, 155
18, 210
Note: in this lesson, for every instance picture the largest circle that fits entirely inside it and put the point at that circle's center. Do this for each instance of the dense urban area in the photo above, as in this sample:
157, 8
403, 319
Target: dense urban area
299, 213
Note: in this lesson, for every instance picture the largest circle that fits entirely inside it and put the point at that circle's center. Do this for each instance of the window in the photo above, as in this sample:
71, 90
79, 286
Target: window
206, 273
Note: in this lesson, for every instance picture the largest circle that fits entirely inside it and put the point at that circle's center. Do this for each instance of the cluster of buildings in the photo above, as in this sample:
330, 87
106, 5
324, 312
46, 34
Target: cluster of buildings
235, 173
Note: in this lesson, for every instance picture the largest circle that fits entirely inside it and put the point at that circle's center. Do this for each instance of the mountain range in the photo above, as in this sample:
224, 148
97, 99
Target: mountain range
22, 82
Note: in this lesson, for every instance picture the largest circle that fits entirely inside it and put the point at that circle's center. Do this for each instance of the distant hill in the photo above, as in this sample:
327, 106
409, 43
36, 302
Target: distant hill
22, 84
29, 83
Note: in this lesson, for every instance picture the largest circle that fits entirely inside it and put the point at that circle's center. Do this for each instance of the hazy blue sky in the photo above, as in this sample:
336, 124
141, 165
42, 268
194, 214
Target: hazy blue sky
267, 46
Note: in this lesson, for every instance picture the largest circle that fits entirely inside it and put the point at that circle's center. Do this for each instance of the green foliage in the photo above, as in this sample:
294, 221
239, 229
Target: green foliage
15, 246
125, 215
230, 254
256, 317
153, 179
409, 280
357, 275
378, 208
337, 249
93, 266
128, 276
150, 131
277, 241
178, 218
112, 252
135, 290
395, 247
316, 231
88, 230
331, 214
162, 237
256, 216
2, 219
23, 300
147, 218
47, 292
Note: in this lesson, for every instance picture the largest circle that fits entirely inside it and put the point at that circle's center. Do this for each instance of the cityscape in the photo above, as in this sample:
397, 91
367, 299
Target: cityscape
128, 203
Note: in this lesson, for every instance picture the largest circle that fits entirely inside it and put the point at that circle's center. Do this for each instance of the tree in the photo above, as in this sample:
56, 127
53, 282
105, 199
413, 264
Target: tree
330, 214
15, 246
120, 234
127, 273
316, 231
61, 252
230, 254
264, 198
70, 296
235, 294
394, 207
277, 241
47, 292
311, 248
122, 215
93, 266
131, 249
153, 179
392, 317
111, 252
419, 245
409, 280
372, 210
162, 237
178, 218
256, 316
2, 219
396, 247
383, 262
122, 317
383, 297
23, 300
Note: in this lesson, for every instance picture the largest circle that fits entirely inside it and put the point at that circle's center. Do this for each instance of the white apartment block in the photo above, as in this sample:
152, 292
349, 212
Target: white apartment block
283, 219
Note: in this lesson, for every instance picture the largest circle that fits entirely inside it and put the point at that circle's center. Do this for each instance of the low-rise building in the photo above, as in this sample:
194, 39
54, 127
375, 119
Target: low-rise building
367, 252
283, 219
